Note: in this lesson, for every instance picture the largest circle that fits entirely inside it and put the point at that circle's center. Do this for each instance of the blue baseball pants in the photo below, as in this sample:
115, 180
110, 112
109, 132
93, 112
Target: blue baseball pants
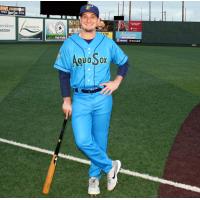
90, 122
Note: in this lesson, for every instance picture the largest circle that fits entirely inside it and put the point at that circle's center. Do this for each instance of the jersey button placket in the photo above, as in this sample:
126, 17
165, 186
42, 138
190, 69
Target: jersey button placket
89, 52
89, 68
89, 56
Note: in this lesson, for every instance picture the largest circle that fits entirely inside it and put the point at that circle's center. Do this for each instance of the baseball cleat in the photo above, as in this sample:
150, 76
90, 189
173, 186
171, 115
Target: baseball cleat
112, 175
93, 195
93, 188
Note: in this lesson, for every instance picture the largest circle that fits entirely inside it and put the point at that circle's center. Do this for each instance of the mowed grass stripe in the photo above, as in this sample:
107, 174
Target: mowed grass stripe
176, 65
147, 114
16, 60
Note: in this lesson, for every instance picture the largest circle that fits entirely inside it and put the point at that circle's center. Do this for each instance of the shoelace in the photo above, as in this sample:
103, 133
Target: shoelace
92, 182
109, 180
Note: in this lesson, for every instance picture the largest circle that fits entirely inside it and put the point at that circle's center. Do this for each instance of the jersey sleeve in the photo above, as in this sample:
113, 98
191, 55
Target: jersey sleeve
118, 56
63, 60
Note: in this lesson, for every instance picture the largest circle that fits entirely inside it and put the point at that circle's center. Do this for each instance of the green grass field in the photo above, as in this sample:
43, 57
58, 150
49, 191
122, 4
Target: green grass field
161, 88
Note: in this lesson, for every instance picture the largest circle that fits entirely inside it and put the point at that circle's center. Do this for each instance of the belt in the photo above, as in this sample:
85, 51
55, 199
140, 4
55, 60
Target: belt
88, 91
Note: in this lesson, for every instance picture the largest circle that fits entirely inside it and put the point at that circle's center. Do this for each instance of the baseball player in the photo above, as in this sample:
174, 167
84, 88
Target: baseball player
83, 63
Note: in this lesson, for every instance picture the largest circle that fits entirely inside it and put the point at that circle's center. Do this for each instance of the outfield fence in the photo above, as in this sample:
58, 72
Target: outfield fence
37, 29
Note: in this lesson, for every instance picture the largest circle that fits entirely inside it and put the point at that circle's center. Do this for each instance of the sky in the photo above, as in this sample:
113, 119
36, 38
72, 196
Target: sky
140, 9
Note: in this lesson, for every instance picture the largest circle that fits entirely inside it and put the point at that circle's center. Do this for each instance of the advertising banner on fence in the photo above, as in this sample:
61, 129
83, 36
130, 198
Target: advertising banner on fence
55, 30
128, 31
12, 10
106, 27
135, 26
3, 10
74, 27
7, 28
108, 34
30, 29
121, 25
128, 36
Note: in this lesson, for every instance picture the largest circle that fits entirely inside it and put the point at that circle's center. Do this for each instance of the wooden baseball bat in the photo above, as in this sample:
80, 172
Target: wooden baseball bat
52, 166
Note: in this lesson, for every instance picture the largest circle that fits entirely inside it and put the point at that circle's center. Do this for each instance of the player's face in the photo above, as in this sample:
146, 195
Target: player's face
89, 21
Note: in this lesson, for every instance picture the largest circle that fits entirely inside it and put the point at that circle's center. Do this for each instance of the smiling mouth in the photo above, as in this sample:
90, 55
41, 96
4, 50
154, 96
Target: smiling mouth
89, 24
88, 29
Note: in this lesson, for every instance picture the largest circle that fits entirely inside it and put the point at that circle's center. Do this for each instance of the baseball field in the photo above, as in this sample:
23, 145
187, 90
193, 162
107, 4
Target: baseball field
160, 90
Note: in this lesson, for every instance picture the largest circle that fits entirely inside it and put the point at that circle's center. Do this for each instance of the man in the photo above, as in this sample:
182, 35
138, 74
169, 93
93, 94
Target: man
84, 64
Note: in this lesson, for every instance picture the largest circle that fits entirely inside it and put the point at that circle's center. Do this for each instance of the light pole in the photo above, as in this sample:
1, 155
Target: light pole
182, 11
118, 8
165, 14
123, 8
129, 10
185, 14
149, 10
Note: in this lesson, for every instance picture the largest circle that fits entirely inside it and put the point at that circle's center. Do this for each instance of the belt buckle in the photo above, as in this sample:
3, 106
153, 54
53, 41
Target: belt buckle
78, 90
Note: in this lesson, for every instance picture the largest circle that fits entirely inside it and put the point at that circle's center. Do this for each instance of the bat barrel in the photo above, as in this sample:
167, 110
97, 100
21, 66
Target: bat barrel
50, 174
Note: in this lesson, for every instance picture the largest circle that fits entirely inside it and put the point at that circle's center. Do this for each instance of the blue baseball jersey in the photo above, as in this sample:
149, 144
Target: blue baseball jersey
89, 63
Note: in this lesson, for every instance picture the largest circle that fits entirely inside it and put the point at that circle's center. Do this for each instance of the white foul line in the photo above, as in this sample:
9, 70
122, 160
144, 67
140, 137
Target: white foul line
123, 171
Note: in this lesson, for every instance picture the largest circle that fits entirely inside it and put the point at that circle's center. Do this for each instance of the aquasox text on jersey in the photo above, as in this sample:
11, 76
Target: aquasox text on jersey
94, 60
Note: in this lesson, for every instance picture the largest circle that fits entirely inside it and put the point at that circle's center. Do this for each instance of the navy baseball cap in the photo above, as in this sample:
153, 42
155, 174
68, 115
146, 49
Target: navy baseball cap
89, 8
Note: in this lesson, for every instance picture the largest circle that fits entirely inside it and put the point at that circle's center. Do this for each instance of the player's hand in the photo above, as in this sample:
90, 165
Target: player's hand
109, 87
67, 107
